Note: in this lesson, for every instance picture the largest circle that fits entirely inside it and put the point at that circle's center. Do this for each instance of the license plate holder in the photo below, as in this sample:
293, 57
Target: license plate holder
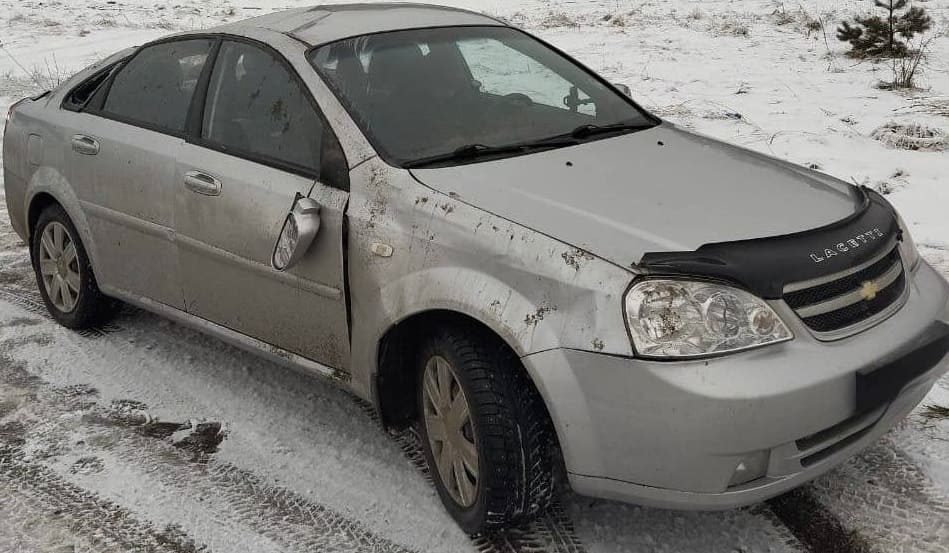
880, 384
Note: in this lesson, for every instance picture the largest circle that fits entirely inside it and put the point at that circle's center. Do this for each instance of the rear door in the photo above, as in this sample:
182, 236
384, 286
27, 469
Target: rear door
262, 144
121, 164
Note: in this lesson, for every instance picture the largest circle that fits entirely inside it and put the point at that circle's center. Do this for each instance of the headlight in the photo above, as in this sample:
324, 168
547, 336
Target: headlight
681, 319
908, 246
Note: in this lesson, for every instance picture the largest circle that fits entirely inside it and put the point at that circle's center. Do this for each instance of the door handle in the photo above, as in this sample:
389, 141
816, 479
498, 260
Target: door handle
202, 183
85, 145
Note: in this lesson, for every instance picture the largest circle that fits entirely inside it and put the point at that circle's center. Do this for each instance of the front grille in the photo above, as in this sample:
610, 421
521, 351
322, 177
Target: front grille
851, 299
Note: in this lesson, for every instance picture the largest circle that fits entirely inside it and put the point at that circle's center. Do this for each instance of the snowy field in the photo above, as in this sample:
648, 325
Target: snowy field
145, 436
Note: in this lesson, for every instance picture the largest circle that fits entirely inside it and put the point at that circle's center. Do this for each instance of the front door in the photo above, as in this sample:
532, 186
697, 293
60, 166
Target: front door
262, 145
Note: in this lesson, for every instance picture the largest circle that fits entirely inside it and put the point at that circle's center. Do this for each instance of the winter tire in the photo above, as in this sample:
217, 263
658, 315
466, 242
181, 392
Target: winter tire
485, 432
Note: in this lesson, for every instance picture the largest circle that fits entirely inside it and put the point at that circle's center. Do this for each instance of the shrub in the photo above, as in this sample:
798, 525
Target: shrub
885, 36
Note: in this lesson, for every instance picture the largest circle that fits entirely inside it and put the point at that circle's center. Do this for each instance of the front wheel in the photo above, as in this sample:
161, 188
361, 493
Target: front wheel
485, 432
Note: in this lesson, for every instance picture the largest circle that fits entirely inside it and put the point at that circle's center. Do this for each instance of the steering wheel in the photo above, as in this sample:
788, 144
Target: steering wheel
519, 100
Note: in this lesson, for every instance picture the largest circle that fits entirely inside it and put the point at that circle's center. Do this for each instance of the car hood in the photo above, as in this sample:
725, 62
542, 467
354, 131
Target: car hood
660, 190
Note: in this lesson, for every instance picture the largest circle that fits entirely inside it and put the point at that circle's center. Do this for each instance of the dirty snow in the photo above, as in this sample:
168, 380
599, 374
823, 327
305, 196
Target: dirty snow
298, 458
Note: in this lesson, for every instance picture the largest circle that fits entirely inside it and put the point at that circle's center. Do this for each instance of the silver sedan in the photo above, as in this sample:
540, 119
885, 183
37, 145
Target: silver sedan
485, 239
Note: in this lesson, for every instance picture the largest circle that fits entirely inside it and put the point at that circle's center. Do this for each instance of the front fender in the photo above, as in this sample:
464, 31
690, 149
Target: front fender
533, 291
524, 324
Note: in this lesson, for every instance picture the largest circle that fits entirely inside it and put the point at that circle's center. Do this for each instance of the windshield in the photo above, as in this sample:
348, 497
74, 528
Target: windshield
425, 94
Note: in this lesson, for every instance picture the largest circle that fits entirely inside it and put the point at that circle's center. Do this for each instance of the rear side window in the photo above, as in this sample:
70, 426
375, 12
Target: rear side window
79, 96
155, 87
256, 106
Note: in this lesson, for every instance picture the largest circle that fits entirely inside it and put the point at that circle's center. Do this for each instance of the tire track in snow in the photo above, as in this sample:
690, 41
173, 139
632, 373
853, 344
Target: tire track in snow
814, 525
25, 301
552, 531
33, 302
65, 424
19, 515
275, 513
886, 497
879, 500
103, 523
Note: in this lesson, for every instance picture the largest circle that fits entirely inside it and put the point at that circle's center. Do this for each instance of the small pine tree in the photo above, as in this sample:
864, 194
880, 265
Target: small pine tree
876, 36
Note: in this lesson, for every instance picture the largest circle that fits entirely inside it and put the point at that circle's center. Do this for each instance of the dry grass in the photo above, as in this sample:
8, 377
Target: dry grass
729, 26
557, 19
912, 136
16, 86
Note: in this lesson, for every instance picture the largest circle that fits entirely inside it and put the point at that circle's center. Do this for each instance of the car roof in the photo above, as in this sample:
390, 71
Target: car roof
328, 23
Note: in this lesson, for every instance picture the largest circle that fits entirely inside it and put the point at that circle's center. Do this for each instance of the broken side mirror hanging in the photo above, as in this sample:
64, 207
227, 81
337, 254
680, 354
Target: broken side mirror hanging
297, 235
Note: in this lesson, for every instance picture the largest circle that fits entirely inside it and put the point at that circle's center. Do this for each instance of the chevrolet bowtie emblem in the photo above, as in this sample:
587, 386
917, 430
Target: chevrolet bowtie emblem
869, 290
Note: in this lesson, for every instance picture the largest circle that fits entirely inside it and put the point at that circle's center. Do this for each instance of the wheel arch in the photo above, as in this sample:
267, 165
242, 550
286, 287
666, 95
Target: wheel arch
395, 379
48, 187
37, 205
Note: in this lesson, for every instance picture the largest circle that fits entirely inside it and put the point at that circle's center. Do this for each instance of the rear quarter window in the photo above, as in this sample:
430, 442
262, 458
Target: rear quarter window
79, 96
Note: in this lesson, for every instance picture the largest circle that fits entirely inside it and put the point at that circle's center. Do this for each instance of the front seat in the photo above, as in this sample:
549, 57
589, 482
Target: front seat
398, 94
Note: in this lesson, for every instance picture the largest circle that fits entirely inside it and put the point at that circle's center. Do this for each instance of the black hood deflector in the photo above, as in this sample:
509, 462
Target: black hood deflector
765, 266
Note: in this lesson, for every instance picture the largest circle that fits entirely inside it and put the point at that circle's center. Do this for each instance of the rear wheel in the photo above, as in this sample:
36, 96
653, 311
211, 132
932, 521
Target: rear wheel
486, 434
64, 274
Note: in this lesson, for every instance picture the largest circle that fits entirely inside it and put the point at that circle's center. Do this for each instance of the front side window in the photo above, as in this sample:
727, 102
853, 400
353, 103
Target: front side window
156, 86
422, 95
255, 106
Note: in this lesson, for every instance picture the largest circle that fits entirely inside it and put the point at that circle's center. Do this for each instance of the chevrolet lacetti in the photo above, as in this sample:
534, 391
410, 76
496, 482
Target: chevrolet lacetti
485, 239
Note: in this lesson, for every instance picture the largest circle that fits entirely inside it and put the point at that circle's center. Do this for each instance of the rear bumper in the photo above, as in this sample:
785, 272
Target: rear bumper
13, 190
675, 434
14, 200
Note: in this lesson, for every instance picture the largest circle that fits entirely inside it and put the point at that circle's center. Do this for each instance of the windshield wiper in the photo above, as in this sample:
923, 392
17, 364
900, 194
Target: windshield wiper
475, 151
586, 131
577, 135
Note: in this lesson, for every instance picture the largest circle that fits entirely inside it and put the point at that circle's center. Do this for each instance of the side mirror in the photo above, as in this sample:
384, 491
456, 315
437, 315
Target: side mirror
296, 236
624, 89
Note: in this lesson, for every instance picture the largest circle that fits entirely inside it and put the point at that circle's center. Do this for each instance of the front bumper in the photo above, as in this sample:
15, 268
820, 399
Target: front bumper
672, 434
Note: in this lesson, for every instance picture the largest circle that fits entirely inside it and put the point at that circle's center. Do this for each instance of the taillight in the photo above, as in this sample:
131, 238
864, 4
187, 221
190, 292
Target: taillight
10, 111
14, 105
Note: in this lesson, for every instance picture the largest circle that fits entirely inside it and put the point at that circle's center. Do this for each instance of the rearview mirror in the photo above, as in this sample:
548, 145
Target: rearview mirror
299, 229
624, 89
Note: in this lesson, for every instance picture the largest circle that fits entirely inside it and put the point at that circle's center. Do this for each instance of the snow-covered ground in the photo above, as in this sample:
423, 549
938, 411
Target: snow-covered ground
300, 466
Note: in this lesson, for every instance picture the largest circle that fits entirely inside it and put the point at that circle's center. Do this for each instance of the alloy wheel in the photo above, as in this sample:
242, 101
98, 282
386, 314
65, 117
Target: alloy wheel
450, 431
59, 267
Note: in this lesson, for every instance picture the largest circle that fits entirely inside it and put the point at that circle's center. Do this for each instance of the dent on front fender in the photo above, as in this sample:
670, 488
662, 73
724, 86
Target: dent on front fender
535, 292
